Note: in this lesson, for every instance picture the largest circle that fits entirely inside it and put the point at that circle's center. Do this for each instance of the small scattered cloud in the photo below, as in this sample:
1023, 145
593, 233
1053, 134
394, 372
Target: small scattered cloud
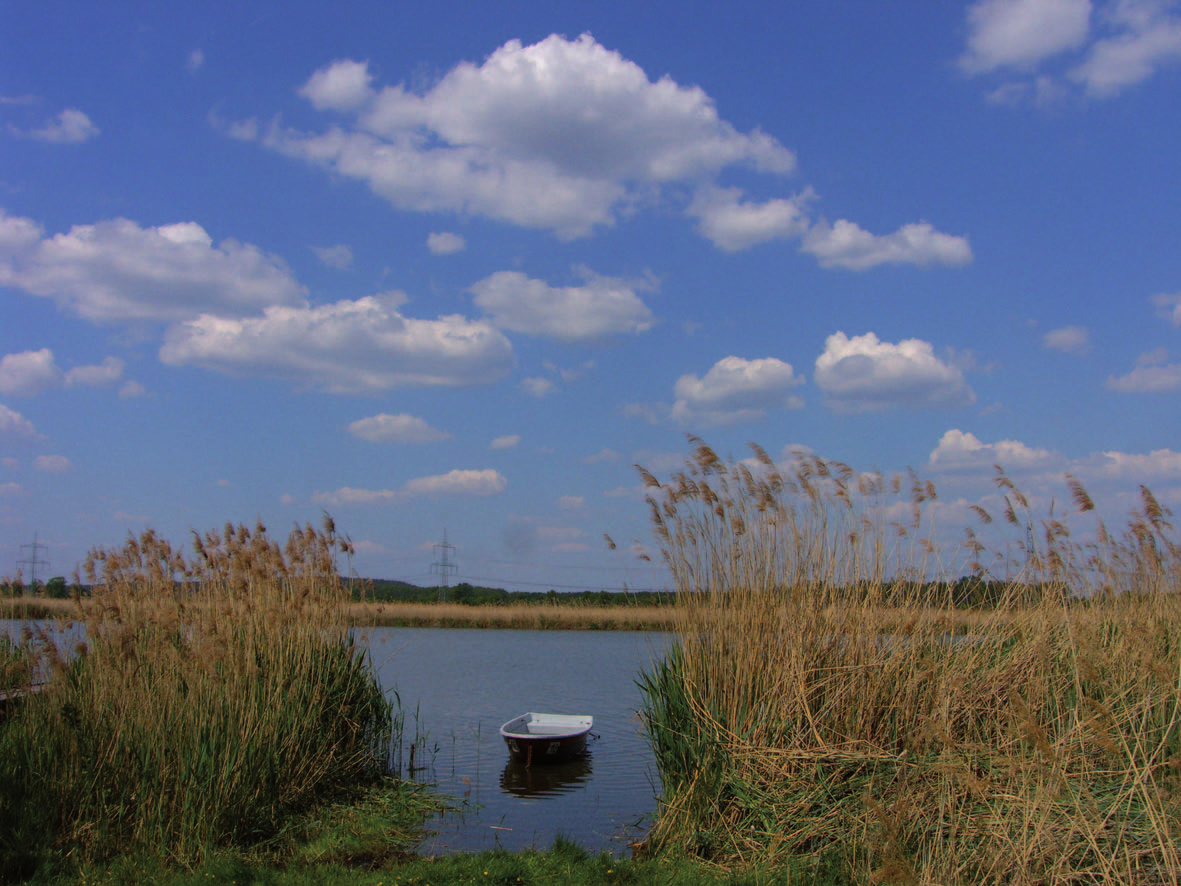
1138, 467
508, 441
454, 483
960, 450
33, 372
1141, 36
132, 390
732, 224
603, 455
1022, 33
652, 413
571, 502
736, 390
339, 257
29, 373
1153, 375
341, 86
105, 374
1047, 47
1068, 339
538, 387
14, 426
445, 243
194, 61
1169, 307
70, 127
862, 373
52, 464
601, 307
400, 428
846, 245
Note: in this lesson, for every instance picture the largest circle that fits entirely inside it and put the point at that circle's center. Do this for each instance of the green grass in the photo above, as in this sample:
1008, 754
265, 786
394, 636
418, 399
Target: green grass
214, 701
564, 863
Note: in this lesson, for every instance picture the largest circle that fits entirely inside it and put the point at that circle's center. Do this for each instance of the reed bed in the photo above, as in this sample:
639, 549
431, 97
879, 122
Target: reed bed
820, 703
520, 616
214, 696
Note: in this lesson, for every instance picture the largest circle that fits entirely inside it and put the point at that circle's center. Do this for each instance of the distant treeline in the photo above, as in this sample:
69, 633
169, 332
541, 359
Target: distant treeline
387, 591
969, 592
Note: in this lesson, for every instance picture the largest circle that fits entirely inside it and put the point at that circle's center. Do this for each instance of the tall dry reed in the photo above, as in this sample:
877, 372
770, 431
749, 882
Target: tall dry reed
819, 702
214, 695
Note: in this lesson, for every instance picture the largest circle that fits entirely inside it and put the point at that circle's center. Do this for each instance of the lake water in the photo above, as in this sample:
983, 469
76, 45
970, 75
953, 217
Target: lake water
458, 686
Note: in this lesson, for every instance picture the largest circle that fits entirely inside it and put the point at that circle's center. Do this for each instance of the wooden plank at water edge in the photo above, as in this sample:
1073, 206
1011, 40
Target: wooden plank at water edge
10, 697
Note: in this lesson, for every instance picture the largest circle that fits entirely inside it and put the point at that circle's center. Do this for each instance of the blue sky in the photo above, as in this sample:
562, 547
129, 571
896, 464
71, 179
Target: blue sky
460, 266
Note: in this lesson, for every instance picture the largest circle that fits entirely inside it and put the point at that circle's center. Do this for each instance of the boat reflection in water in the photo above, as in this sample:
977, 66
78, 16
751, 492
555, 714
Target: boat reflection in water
551, 780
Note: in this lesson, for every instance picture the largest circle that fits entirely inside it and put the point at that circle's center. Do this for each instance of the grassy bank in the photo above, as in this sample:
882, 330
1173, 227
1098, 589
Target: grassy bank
215, 698
564, 863
530, 616
525, 616
798, 718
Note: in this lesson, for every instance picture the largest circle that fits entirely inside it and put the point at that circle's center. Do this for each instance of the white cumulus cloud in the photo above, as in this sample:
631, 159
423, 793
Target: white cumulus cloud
1139, 467
508, 441
1102, 47
116, 271
961, 450
601, 307
347, 347
732, 223
735, 390
1144, 35
400, 428
341, 86
846, 245
1153, 375
70, 127
445, 243
863, 373
561, 135
1021, 33
32, 372
477, 483
29, 373
14, 426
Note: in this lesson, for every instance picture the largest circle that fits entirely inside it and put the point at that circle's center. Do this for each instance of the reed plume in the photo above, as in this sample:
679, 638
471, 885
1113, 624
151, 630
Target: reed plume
216, 693
821, 699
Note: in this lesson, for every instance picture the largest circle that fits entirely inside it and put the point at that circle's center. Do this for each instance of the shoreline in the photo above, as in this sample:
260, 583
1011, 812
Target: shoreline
519, 616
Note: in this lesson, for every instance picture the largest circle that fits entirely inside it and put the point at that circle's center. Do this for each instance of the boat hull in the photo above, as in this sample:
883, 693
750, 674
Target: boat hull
546, 738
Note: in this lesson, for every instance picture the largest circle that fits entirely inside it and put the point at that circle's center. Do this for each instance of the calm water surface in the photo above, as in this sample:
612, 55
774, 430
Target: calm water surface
458, 686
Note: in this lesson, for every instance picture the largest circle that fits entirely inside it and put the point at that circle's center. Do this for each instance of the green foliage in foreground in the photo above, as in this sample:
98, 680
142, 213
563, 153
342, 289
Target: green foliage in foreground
193, 718
565, 863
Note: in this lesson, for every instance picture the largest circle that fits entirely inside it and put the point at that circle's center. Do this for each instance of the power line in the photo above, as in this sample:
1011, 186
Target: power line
443, 566
33, 560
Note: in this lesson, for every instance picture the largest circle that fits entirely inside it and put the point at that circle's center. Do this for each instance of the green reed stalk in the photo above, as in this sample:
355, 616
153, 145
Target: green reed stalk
214, 696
